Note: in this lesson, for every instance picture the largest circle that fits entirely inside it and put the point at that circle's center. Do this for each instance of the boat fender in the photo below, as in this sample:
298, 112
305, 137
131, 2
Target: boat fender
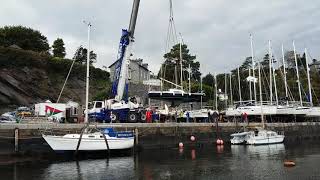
289, 163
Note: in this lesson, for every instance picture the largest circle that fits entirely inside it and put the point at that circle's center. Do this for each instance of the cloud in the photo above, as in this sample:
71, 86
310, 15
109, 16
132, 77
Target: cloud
217, 31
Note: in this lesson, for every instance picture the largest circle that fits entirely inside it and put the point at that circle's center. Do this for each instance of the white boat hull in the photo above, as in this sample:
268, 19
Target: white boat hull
69, 142
314, 112
264, 137
285, 110
239, 138
237, 141
260, 141
301, 110
252, 110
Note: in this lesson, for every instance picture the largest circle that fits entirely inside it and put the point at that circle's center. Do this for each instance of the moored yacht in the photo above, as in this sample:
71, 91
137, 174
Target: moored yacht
262, 136
91, 141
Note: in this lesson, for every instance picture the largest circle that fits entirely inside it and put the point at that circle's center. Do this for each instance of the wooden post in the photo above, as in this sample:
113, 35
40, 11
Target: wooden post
136, 136
16, 140
105, 139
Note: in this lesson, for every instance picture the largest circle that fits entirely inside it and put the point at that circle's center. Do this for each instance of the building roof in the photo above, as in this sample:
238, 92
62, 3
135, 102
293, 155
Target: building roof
135, 61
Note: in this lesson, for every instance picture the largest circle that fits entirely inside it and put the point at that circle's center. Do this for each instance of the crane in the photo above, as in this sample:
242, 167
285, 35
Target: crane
119, 108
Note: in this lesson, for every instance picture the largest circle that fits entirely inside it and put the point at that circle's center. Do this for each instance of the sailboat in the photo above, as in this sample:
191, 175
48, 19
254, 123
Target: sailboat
313, 111
260, 135
252, 107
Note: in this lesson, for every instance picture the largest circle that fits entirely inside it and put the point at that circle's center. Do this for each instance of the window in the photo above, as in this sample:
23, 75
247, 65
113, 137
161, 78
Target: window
75, 111
98, 104
129, 74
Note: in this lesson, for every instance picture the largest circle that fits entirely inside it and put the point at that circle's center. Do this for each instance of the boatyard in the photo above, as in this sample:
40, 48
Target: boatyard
159, 90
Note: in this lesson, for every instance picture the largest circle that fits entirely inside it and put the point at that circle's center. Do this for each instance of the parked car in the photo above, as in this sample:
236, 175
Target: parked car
24, 111
4, 119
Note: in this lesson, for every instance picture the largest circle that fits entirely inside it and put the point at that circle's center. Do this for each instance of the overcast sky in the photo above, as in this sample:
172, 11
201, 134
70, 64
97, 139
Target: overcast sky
216, 31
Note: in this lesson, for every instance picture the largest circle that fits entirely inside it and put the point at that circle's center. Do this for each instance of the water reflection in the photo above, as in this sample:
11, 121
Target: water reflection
209, 162
193, 154
220, 149
114, 168
262, 151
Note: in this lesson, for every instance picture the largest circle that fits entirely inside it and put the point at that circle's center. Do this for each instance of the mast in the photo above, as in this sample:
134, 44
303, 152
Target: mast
260, 92
239, 84
201, 92
270, 72
297, 69
274, 80
308, 75
231, 98
189, 79
225, 89
181, 79
253, 68
215, 90
285, 75
176, 74
250, 91
87, 75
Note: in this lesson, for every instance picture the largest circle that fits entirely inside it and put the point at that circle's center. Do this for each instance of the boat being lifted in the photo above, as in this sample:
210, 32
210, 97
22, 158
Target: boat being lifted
176, 95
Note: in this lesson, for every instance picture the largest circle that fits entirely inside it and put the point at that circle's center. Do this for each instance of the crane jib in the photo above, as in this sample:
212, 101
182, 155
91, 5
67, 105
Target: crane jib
124, 42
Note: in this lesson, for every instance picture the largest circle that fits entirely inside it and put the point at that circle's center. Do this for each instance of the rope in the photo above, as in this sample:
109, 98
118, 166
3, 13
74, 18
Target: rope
65, 82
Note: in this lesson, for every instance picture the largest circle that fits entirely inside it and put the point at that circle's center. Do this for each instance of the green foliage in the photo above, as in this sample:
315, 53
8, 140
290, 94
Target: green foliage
81, 56
208, 80
25, 38
173, 57
58, 48
247, 64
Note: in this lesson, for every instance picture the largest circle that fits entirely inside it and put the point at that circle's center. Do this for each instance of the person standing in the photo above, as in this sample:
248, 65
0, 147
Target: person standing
188, 115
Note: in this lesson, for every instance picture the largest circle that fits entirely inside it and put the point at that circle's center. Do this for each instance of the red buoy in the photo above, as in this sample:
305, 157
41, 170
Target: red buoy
180, 145
219, 142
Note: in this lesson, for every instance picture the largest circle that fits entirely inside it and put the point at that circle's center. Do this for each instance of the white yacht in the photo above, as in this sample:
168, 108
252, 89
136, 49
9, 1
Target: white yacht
262, 136
90, 141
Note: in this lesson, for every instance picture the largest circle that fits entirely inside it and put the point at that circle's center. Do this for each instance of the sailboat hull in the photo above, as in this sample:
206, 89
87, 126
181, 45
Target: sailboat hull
88, 143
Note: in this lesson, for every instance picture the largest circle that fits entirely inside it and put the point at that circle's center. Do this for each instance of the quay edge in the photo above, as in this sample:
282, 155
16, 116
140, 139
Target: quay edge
153, 135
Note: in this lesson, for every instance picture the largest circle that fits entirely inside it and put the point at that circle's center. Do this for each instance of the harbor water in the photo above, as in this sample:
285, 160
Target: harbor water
205, 162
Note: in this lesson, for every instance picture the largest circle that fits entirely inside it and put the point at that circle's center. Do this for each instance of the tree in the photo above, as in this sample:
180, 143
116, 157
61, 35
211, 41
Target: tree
58, 48
208, 80
247, 64
24, 37
172, 58
81, 56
